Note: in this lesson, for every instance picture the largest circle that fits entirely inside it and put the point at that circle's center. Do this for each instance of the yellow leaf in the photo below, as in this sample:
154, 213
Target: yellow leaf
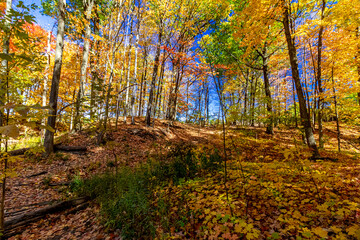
320, 232
10, 131
336, 229
297, 214
354, 230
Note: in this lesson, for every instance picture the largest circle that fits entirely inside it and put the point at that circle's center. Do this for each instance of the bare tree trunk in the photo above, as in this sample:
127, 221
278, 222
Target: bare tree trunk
88, 5
318, 78
253, 99
150, 106
270, 125
295, 107
49, 135
94, 83
175, 101
305, 118
108, 94
134, 90
315, 90
46, 76
111, 77
187, 103
160, 84
306, 84
246, 96
171, 89
336, 110
143, 83
199, 107
94, 65
126, 108
207, 96
358, 58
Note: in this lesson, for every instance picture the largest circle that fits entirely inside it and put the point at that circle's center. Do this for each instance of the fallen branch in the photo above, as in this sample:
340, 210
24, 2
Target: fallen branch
37, 174
57, 147
59, 184
314, 158
18, 152
13, 224
70, 148
34, 204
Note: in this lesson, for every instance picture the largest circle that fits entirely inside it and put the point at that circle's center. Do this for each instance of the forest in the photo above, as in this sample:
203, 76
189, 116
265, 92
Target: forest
180, 119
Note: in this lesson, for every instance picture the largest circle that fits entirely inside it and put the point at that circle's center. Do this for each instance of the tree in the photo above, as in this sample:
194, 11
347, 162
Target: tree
49, 134
4, 61
88, 6
304, 114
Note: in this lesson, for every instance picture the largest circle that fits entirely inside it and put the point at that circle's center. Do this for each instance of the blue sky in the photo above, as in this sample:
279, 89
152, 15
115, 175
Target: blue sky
44, 21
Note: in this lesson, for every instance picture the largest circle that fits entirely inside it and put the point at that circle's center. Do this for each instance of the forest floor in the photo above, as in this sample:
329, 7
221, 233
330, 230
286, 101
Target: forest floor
269, 181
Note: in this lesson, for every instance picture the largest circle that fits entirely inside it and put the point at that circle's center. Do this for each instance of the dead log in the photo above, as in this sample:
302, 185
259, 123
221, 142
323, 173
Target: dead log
37, 174
13, 224
34, 204
59, 184
70, 148
313, 158
18, 152
57, 147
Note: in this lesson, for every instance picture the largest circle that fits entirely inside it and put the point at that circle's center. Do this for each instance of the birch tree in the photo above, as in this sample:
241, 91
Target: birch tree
53, 102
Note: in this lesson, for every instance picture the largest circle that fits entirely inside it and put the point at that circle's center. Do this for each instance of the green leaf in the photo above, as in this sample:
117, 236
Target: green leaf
275, 236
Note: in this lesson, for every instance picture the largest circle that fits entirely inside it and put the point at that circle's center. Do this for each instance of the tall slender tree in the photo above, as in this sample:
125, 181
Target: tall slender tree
304, 114
53, 102
88, 6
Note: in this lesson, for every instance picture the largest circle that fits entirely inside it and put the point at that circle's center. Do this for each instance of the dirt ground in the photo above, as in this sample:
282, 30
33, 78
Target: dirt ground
42, 182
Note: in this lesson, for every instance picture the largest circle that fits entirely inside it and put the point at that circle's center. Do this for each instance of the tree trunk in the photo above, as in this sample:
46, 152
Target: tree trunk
161, 85
111, 77
318, 78
130, 24
270, 125
306, 84
177, 87
143, 83
246, 96
171, 89
4, 61
295, 107
88, 5
49, 135
46, 76
150, 106
358, 58
18, 222
315, 90
108, 92
305, 118
207, 103
94, 70
253, 99
336, 110
134, 88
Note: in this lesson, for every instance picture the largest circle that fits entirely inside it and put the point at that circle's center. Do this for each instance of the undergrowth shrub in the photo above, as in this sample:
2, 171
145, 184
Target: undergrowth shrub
127, 197
124, 199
